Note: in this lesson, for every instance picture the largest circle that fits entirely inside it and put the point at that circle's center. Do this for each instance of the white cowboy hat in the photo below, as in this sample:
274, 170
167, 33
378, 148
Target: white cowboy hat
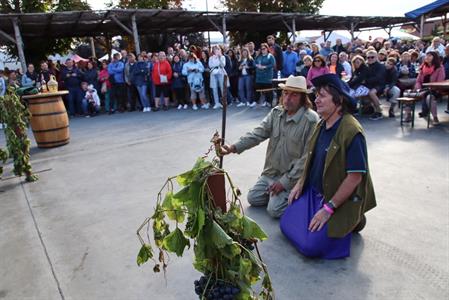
295, 84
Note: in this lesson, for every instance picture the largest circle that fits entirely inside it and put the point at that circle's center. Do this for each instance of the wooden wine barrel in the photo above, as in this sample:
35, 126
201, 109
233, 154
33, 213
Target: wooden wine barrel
49, 119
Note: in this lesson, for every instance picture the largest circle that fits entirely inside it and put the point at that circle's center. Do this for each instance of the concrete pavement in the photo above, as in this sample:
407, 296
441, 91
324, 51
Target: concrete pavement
71, 235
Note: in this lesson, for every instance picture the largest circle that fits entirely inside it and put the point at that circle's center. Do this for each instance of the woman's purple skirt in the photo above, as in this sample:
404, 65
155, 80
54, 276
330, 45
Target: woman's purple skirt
295, 223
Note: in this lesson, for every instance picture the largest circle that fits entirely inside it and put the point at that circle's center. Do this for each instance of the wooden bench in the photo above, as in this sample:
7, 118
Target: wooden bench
410, 101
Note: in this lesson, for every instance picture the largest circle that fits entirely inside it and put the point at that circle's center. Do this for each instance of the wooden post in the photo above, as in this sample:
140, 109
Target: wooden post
421, 27
108, 46
135, 34
352, 32
294, 30
19, 43
224, 30
92, 47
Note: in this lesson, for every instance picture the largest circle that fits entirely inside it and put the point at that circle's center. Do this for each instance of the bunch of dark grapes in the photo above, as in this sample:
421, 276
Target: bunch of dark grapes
216, 290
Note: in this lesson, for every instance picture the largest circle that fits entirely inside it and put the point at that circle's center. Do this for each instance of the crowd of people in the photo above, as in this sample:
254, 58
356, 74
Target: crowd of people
195, 77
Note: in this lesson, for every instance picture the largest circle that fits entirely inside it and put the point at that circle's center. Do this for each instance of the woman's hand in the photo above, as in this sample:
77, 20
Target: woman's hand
294, 193
319, 219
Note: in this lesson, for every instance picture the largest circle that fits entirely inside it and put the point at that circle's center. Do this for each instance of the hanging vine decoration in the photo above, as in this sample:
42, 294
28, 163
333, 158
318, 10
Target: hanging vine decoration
224, 243
16, 117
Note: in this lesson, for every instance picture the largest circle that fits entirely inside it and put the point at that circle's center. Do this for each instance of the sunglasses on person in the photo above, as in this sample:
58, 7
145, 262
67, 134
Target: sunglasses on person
317, 60
371, 57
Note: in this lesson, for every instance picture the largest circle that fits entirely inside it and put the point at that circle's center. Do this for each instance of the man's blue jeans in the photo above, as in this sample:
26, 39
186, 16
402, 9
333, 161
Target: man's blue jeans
74, 100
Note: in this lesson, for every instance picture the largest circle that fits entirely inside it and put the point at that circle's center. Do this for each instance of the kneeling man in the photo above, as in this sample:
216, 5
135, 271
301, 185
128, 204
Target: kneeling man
288, 128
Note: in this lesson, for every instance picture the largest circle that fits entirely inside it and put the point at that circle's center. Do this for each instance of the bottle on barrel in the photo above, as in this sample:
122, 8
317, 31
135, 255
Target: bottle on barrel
44, 88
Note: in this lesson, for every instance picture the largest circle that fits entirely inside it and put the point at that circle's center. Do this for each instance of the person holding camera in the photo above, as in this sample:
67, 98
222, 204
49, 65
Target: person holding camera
194, 69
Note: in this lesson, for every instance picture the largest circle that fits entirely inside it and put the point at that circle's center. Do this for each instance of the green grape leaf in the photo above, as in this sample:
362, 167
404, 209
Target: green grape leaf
176, 242
252, 230
218, 236
174, 208
145, 254
184, 179
197, 224
195, 199
245, 267
188, 177
183, 195
231, 251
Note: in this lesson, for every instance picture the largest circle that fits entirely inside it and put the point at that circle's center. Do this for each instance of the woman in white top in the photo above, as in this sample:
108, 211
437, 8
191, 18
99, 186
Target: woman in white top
217, 63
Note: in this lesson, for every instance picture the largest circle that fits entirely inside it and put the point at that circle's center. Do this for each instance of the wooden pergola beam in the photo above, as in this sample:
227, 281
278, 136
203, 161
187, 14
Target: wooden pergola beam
19, 43
7, 37
121, 25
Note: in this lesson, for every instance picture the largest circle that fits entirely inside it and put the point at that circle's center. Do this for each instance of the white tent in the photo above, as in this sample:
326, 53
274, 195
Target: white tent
106, 57
345, 38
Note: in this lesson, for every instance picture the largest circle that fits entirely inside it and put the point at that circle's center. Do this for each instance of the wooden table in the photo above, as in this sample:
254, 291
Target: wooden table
441, 86
49, 119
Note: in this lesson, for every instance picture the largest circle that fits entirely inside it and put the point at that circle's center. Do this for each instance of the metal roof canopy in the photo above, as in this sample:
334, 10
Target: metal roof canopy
439, 8
95, 23
137, 22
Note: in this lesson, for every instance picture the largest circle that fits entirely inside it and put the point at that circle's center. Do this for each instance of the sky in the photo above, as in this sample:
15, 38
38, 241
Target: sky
330, 7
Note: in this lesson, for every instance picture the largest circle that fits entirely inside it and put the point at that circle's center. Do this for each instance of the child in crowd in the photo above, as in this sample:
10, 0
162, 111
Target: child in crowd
91, 101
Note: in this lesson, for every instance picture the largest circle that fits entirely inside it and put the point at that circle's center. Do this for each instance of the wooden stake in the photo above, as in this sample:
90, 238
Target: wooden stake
223, 119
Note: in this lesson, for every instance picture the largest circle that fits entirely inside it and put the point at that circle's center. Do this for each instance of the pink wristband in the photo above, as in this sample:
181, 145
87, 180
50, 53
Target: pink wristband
328, 209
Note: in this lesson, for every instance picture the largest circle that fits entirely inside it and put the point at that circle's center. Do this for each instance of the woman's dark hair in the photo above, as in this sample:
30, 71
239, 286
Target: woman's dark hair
320, 57
337, 98
207, 54
264, 45
230, 51
436, 62
330, 55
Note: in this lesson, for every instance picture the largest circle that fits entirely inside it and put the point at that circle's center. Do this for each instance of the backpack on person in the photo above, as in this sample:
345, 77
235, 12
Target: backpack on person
197, 83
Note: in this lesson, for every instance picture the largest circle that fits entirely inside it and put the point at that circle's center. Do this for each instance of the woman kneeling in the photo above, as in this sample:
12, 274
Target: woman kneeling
330, 199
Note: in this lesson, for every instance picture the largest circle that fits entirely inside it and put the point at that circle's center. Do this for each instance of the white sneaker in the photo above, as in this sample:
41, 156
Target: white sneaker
194, 107
265, 104
185, 106
148, 109
179, 106
252, 104
241, 104
217, 106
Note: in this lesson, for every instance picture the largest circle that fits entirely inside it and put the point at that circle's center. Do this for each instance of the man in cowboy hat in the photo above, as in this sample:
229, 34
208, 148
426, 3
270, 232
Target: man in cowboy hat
288, 128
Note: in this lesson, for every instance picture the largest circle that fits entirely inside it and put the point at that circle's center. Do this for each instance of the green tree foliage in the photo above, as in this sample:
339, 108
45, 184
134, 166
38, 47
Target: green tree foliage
37, 49
286, 6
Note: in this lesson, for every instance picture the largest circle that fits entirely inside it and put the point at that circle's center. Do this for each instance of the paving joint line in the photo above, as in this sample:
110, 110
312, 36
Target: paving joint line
44, 247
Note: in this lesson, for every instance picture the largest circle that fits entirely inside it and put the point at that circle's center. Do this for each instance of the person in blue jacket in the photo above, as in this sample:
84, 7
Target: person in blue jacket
290, 60
116, 76
72, 78
139, 74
